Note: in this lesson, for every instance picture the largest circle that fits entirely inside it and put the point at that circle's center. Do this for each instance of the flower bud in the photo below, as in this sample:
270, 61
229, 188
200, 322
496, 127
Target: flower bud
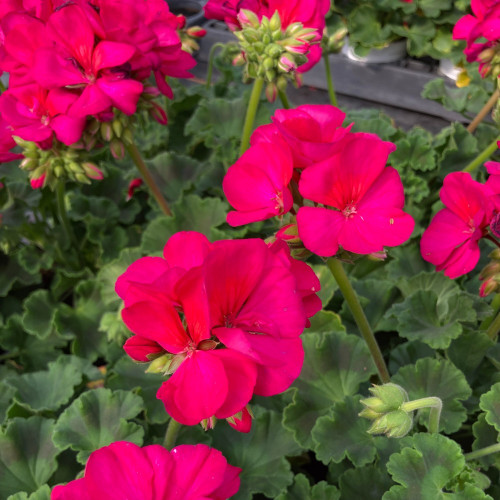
387, 397
106, 131
117, 127
38, 182
117, 149
395, 424
159, 364
287, 64
488, 286
92, 171
275, 21
248, 18
271, 91
196, 32
208, 423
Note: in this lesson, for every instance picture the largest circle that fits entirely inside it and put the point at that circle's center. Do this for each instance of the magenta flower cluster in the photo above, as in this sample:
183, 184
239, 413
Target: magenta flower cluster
68, 61
336, 181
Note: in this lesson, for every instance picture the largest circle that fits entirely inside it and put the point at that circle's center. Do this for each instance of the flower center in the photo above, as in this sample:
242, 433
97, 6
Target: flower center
349, 211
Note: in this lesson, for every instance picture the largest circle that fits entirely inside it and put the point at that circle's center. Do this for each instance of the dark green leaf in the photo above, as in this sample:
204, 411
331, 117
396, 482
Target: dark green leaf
27, 455
343, 433
301, 490
490, 404
50, 389
335, 365
42, 493
367, 483
39, 313
260, 453
432, 377
128, 375
424, 467
485, 435
96, 419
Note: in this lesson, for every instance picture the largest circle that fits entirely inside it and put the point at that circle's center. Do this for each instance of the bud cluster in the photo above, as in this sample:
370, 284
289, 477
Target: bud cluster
61, 162
333, 43
271, 52
385, 409
489, 60
490, 275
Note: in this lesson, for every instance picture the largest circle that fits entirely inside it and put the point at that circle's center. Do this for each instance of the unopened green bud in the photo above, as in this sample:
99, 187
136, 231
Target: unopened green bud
386, 397
59, 171
268, 63
106, 131
495, 254
127, 136
29, 164
74, 167
39, 171
270, 75
93, 126
395, 424
274, 50
117, 127
160, 364
275, 21
369, 414
266, 39
82, 178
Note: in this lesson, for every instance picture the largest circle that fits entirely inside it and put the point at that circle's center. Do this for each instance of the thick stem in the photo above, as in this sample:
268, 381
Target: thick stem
483, 452
211, 58
482, 114
329, 80
494, 328
284, 99
173, 429
63, 216
482, 157
253, 105
434, 403
148, 178
352, 300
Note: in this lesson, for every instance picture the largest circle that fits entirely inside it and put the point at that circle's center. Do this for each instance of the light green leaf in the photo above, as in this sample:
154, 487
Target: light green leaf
27, 455
432, 377
50, 389
335, 365
343, 433
260, 453
424, 467
96, 419
328, 283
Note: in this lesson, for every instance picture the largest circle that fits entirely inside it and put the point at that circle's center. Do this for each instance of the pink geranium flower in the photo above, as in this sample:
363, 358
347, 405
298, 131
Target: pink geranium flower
451, 242
124, 471
257, 184
77, 61
313, 132
242, 317
35, 114
7, 143
481, 30
363, 199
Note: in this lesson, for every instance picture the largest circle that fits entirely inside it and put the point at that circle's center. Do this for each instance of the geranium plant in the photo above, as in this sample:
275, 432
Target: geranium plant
282, 302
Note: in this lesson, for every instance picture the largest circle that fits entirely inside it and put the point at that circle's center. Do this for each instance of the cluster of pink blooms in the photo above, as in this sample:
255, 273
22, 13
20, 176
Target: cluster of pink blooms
223, 318
451, 242
310, 14
68, 60
124, 471
306, 158
481, 31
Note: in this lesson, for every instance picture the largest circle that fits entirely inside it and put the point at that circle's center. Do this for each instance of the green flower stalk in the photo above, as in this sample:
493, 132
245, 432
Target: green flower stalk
392, 413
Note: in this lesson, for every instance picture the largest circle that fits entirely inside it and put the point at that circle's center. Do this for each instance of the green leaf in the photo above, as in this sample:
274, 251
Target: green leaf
11, 272
369, 483
372, 120
424, 467
27, 455
42, 493
485, 435
50, 389
335, 365
432, 377
96, 419
414, 151
260, 453
301, 490
39, 313
128, 375
343, 433
468, 351
325, 321
408, 353
419, 318
328, 283
490, 404
191, 213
